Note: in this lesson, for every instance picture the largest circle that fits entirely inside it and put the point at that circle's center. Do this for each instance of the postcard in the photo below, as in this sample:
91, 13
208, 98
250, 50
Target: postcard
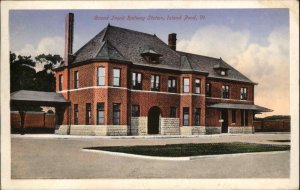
149, 95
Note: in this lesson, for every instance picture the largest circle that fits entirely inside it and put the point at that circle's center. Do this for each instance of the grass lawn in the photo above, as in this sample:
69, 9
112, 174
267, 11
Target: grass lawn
179, 150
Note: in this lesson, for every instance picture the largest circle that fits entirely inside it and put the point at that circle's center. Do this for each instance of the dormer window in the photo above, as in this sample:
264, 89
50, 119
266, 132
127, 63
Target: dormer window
151, 56
221, 67
153, 59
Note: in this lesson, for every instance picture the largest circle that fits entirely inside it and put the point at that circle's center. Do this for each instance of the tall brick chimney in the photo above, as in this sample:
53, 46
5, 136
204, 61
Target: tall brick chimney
172, 41
69, 29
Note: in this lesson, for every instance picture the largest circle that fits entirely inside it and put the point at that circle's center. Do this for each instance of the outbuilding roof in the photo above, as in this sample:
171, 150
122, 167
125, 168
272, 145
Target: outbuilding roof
115, 43
37, 98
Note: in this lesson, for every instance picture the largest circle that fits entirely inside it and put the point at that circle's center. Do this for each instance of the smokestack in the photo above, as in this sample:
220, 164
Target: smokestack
172, 41
69, 29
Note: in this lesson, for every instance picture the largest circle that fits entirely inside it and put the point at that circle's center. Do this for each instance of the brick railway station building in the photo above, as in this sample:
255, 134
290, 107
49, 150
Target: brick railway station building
124, 82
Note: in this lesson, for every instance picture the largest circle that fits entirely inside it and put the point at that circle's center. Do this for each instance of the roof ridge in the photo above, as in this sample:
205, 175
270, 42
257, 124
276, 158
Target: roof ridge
130, 30
100, 49
114, 47
198, 55
108, 47
103, 30
190, 63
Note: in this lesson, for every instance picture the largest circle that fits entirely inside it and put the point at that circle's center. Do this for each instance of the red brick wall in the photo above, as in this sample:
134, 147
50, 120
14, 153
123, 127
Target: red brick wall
88, 78
272, 126
33, 120
213, 117
235, 88
146, 100
64, 81
82, 97
15, 120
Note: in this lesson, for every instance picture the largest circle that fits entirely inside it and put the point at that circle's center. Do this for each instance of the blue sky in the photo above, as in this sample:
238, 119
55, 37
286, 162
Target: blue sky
255, 41
30, 26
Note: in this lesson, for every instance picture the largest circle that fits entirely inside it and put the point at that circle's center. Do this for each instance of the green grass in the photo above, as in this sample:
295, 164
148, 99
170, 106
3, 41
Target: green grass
180, 150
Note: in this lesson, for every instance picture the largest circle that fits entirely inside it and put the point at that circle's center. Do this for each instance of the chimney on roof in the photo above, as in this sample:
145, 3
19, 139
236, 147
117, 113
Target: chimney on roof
69, 29
172, 41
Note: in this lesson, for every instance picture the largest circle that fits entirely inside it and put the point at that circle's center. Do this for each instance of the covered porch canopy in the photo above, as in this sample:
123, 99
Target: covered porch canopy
240, 106
38, 98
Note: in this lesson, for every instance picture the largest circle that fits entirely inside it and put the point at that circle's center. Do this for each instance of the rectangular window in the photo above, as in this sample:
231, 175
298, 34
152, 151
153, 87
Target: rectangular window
225, 91
172, 86
100, 113
208, 90
88, 114
197, 115
60, 82
100, 76
233, 116
197, 86
186, 85
137, 81
76, 79
135, 111
155, 85
75, 114
243, 93
186, 116
116, 77
116, 114
173, 112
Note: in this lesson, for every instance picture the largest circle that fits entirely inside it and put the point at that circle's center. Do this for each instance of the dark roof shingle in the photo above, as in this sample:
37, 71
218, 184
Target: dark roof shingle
129, 45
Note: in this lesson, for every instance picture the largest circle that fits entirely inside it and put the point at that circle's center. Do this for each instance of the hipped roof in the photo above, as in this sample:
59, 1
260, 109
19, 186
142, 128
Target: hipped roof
115, 43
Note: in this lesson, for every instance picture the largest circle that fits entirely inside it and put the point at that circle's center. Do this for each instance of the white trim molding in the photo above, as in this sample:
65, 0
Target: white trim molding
132, 90
227, 99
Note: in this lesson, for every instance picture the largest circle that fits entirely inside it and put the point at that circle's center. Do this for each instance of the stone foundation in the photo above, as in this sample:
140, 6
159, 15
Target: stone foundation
169, 126
247, 130
186, 130
61, 129
198, 130
212, 130
139, 126
117, 130
93, 130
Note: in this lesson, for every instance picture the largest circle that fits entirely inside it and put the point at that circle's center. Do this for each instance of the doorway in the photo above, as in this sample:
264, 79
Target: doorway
153, 120
225, 121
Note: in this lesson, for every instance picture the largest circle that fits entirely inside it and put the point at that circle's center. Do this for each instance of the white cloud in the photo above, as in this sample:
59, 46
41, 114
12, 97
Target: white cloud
52, 45
267, 65
48, 45
216, 41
